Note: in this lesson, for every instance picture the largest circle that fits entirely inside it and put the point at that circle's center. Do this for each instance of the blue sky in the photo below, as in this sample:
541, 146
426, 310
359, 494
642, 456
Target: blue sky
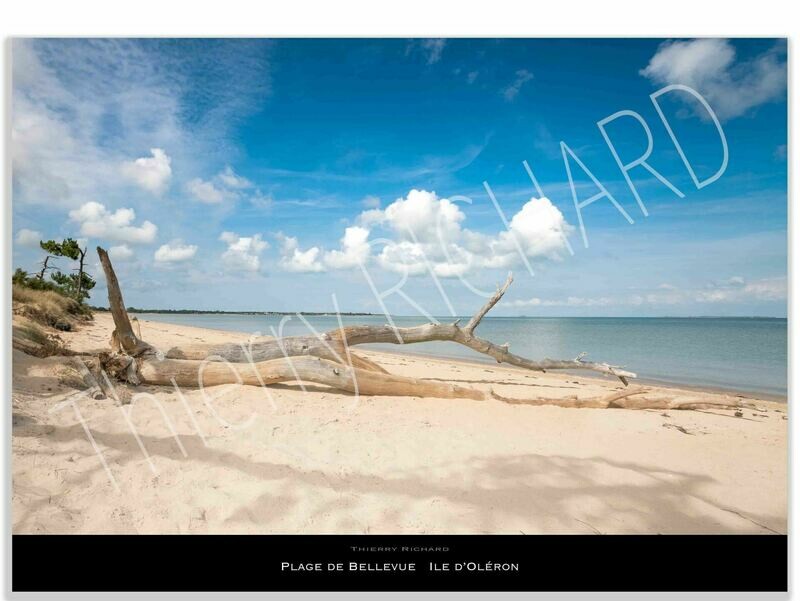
259, 174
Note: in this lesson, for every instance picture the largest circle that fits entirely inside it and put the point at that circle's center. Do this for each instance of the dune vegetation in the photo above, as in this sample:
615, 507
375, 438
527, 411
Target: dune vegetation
38, 316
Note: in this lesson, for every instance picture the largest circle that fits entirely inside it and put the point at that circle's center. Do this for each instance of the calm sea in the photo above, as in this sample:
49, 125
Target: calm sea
742, 354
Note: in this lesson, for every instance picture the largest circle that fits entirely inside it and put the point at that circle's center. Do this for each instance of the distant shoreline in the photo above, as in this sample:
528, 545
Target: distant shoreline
214, 312
445, 318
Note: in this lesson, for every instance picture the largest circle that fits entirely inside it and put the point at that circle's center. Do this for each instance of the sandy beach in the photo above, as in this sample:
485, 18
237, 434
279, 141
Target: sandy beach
287, 460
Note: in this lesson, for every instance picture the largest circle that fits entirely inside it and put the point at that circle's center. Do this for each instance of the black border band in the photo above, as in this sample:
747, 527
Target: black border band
463, 563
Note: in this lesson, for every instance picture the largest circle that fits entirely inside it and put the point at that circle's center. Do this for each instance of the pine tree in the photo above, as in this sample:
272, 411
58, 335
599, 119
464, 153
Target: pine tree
76, 285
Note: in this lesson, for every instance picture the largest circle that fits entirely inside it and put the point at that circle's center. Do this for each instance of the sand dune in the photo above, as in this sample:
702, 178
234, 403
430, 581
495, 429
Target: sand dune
286, 460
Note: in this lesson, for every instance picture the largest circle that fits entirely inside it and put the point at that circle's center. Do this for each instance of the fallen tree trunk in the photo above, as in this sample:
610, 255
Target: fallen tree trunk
332, 344
327, 360
191, 373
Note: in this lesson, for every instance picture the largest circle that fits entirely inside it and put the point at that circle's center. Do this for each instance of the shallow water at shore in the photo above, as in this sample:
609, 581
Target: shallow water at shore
729, 353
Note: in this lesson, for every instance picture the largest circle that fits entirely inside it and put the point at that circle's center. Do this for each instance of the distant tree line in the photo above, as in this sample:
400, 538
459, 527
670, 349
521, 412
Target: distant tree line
218, 312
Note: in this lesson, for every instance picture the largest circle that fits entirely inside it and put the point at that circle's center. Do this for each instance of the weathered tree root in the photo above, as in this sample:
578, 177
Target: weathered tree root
327, 360
93, 388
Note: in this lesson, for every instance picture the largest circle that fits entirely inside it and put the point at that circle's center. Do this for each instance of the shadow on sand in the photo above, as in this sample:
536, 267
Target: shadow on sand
541, 493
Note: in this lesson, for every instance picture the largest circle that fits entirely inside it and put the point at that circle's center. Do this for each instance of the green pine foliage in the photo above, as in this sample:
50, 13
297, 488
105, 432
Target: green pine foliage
75, 285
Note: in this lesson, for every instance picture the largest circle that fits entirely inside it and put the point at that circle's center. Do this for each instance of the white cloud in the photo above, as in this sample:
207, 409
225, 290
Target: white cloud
65, 93
426, 231
151, 173
539, 227
123, 252
46, 149
472, 76
175, 252
232, 180
80, 105
709, 66
510, 92
424, 214
298, 261
26, 237
98, 222
355, 249
244, 252
206, 192
428, 228
423, 225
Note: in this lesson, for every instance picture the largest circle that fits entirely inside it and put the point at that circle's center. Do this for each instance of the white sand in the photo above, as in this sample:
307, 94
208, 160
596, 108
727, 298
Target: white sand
323, 462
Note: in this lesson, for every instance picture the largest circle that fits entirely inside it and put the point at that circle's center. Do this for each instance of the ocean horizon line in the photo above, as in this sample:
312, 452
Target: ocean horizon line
137, 310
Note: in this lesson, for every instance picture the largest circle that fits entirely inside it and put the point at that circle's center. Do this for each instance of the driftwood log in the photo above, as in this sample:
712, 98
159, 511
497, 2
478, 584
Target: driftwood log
327, 359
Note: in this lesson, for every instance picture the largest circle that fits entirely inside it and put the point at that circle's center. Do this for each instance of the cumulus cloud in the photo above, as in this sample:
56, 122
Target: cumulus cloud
539, 227
355, 249
428, 232
150, 173
244, 252
122, 252
98, 222
175, 252
26, 237
423, 231
295, 260
710, 67
422, 213
511, 91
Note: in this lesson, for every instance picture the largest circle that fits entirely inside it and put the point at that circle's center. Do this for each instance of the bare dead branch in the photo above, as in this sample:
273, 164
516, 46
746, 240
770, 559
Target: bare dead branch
124, 332
476, 319
269, 348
